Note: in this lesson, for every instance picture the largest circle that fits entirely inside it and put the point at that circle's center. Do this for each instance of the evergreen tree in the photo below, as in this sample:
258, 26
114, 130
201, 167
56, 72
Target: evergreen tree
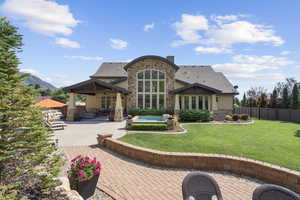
295, 97
274, 99
28, 161
263, 100
244, 100
60, 95
236, 101
285, 98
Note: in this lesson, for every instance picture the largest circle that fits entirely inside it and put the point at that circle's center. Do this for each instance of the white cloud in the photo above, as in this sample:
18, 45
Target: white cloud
65, 42
96, 58
263, 76
147, 27
43, 16
223, 31
213, 50
285, 53
254, 67
29, 71
242, 32
118, 44
262, 60
187, 29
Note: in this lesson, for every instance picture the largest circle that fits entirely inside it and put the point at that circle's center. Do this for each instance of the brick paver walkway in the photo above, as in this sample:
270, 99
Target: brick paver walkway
131, 180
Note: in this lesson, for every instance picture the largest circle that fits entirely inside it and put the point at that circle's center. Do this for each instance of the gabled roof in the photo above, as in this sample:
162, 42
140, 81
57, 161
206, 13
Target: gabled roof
150, 57
49, 103
187, 74
204, 75
110, 70
95, 82
195, 85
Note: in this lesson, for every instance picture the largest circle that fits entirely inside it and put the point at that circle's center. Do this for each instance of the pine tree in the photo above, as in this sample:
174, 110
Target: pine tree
285, 98
295, 97
244, 101
274, 99
28, 161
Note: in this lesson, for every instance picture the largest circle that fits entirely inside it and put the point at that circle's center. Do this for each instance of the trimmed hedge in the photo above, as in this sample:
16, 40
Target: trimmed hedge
244, 117
235, 117
195, 115
228, 117
150, 127
135, 112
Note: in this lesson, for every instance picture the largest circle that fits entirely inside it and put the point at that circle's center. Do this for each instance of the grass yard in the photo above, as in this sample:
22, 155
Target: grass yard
274, 142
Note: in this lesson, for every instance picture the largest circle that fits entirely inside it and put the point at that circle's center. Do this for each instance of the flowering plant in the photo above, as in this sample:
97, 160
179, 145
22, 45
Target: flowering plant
83, 169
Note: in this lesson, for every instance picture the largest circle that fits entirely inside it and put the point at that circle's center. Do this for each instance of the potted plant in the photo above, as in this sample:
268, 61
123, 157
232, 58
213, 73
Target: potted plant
84, 174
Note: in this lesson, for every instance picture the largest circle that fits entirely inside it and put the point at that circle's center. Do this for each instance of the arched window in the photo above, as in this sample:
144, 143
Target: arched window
151, 89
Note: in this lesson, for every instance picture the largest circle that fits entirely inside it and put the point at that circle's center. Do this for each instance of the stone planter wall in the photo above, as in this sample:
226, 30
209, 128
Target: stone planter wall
241, 166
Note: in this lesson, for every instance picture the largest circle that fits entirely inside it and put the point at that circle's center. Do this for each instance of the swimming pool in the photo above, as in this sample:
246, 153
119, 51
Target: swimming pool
149, 119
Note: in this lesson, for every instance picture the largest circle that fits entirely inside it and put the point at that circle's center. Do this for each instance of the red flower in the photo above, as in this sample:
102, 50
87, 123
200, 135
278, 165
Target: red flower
97, 171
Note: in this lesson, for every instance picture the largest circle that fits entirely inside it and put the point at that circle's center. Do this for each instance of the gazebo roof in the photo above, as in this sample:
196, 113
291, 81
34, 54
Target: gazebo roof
49, 103
93, 86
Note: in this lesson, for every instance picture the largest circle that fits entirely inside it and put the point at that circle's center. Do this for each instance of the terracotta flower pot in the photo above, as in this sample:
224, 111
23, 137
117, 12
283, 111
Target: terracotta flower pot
87, 188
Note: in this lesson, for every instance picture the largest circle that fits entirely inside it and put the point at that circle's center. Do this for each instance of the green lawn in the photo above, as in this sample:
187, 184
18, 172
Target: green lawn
270, 141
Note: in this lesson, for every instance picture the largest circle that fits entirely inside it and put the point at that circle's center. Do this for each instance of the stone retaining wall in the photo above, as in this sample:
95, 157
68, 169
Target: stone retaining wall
241, 166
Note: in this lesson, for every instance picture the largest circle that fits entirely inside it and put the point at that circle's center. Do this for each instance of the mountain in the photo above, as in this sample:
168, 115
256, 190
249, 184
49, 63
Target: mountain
34, 80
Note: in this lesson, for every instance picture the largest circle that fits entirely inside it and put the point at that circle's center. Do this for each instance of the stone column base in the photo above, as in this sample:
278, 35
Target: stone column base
71, 114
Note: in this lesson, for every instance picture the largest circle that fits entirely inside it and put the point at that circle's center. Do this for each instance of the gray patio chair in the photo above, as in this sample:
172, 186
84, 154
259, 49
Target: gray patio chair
274, 192
200, 186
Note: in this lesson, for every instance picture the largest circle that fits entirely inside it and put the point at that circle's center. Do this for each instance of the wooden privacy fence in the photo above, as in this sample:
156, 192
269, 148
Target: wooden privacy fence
289, 115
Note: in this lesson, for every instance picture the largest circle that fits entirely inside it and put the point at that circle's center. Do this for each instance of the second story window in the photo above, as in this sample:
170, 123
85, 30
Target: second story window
151, 89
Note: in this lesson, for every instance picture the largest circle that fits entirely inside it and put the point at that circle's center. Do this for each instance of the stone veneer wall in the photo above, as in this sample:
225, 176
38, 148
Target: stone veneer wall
242, 166
150, 64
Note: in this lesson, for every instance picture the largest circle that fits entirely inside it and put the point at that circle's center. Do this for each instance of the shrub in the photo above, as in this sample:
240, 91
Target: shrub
228, 117
235, 117
195, 115
135, 112
150, 127
83, 169
244, 116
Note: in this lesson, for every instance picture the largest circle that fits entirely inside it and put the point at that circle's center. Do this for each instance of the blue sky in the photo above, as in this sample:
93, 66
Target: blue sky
255, 43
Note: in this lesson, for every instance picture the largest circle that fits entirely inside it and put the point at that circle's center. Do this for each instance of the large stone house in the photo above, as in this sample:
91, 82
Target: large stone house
154, 82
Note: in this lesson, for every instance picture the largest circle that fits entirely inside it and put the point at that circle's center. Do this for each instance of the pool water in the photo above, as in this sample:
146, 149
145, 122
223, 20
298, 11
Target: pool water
150, 119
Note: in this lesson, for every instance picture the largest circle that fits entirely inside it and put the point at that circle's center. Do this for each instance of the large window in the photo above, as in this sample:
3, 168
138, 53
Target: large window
190, 102
151, 86
107, 101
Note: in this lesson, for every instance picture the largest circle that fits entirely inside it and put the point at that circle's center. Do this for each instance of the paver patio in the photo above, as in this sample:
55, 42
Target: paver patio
126, 179
85, 132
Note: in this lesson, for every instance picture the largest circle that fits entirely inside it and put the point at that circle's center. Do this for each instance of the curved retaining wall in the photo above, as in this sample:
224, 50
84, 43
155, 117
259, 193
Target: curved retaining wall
242, 166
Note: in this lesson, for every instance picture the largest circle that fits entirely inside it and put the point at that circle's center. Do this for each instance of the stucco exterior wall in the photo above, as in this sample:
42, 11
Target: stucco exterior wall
107, 79
123, 84
92, 103
225, 102
150, 64
178, 85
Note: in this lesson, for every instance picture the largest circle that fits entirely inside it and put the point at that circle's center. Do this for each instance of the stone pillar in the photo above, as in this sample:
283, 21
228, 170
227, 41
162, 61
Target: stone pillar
118, 109
177, 106
214, 105
71, 107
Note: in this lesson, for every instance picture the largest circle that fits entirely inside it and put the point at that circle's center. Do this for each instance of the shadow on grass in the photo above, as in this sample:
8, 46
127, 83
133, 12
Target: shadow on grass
297, 134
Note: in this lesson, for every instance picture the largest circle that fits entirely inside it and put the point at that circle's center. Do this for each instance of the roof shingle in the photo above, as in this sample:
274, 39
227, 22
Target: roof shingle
190, 74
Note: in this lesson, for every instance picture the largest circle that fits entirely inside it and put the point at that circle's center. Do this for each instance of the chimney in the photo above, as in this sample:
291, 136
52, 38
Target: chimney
170, 58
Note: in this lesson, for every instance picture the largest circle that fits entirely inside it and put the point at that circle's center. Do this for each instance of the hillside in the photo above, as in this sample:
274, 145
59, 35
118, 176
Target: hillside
34, 80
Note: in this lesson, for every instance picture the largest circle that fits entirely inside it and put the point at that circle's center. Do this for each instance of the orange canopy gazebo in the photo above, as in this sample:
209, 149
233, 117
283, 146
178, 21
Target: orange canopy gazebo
49, 103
